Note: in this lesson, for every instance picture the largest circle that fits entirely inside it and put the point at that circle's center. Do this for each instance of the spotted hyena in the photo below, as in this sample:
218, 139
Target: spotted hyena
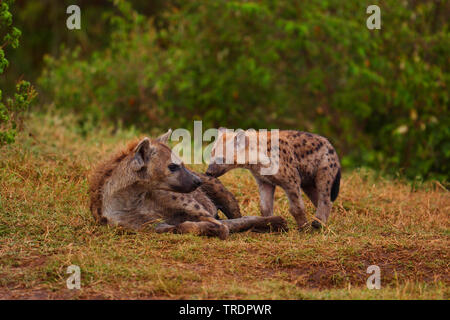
306, 161
146, 185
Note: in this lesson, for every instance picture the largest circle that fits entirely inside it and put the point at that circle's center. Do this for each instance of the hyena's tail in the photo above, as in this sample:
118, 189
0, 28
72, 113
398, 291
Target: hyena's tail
335, 186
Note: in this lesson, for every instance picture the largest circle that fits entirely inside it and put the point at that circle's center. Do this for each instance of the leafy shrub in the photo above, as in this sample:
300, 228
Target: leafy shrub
11, 110
111, 84
381, 96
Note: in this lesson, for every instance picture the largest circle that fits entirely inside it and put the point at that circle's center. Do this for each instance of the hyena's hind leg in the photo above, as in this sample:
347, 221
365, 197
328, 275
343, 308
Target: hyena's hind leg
201, 228
131, 221
257, 224
164, 228
311, 192
223, 199
324, 193
296, 205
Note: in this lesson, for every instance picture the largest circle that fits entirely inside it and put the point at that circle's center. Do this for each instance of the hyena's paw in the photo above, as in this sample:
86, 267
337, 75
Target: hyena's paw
203, 228
186, 227
215, 230
272, 224
316, 224
163, 228
278, 224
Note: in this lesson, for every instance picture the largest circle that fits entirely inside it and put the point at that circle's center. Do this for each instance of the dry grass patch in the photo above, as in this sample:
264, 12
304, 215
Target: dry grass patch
45, 226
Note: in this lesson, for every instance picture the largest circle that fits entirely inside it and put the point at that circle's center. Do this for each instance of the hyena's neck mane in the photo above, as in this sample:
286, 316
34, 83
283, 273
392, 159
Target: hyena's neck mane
99, 176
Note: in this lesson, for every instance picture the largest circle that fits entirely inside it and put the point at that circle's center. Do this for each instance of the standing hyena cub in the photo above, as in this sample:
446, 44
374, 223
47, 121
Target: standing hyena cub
146, 184
305, 161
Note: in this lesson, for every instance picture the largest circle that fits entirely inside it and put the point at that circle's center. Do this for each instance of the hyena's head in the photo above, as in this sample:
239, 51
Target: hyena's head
228, 152
154, 165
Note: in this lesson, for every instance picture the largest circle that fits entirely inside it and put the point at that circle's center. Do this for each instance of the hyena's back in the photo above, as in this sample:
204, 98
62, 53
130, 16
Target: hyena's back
100, 174
310, 153
313, 156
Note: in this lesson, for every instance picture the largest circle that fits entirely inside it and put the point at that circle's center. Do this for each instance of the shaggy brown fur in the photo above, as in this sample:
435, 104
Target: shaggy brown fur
100, 174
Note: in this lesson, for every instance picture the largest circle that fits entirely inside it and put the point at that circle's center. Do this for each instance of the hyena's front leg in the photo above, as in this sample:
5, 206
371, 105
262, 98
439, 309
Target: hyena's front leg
131, 220
266, 197
196, 212
179, 202
164, 228
223, 199
323, 210
202, 228
323, 195
257, 224
311, 192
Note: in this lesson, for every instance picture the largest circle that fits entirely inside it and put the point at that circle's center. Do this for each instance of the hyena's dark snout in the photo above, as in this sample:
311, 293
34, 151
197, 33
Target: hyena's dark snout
185, 181
197, 182
191, 181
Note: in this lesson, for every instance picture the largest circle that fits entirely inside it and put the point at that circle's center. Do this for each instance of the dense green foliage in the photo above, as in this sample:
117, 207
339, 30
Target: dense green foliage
43, 27
13, 107
381, 96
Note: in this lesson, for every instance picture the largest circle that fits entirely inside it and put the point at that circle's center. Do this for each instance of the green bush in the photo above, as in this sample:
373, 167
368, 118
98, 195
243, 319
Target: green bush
112, 84
11, 110
381, 96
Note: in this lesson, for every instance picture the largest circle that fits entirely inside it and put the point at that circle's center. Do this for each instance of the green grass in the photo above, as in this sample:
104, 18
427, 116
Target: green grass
45, 226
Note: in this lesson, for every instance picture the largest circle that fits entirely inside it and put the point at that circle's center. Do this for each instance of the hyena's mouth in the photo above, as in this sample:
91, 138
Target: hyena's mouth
185, 188
187, 183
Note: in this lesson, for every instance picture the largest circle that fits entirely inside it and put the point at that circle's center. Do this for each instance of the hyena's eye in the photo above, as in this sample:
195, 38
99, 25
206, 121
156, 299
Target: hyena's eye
173, 167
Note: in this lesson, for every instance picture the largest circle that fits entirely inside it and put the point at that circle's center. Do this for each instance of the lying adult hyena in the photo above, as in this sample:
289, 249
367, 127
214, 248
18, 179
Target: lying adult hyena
306, 161
146, 184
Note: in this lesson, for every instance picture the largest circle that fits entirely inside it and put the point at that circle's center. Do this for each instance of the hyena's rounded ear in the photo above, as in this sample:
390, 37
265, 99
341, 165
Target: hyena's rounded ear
142, 154
165, 137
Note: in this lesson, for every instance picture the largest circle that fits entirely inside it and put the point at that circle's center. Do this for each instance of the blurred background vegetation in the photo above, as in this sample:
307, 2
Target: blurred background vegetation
380, 96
